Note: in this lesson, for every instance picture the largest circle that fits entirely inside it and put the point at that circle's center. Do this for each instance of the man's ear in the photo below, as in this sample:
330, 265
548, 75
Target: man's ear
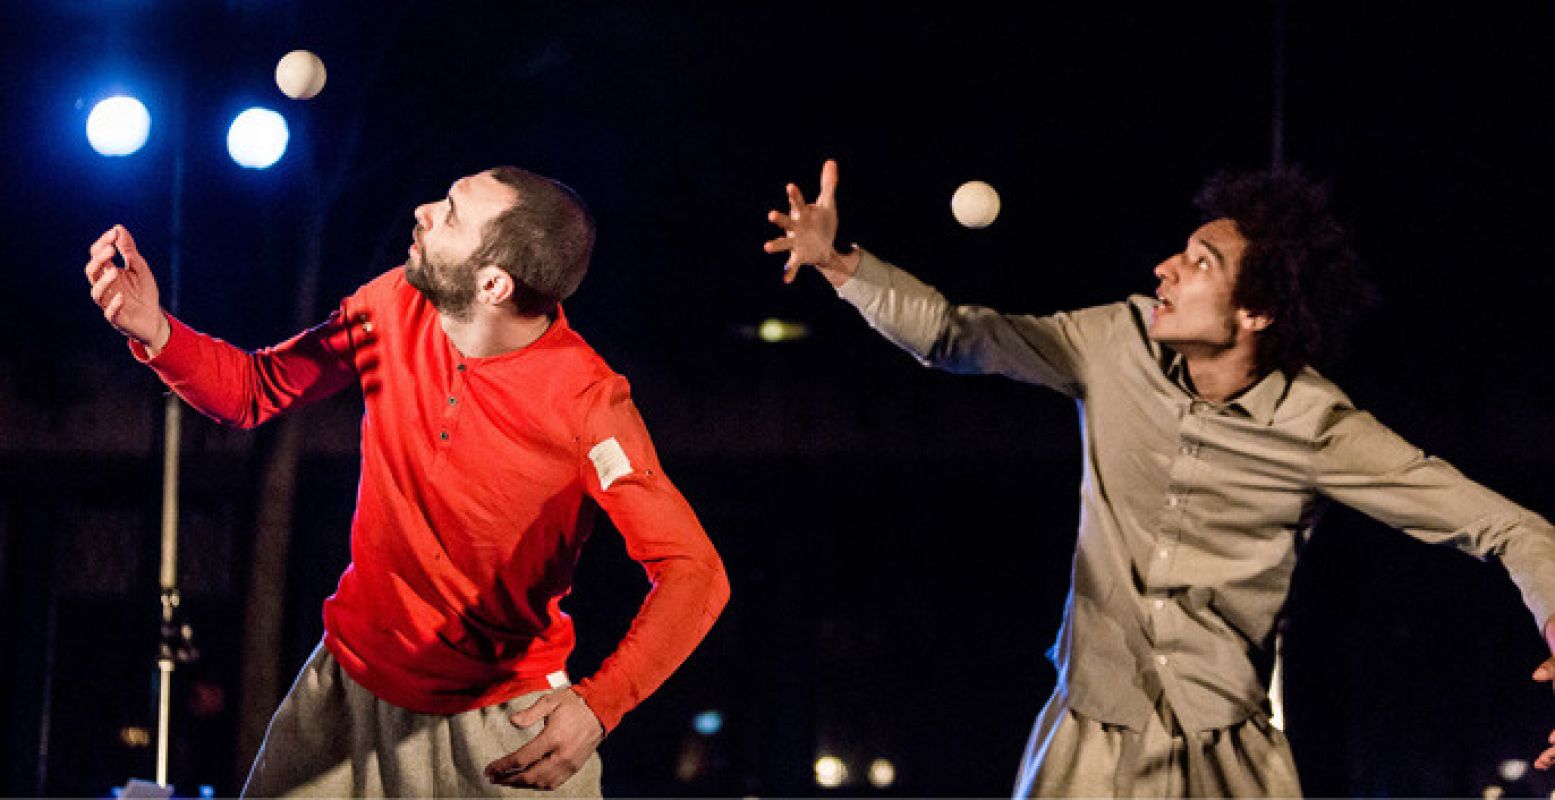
493, 285
1252, 322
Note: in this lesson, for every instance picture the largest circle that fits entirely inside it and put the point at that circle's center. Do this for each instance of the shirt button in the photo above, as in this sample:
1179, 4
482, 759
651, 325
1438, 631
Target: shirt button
1161, 660
461, 367
1173, 500
453, 401
1162, 553
1186, 449
443, 436
1160, 604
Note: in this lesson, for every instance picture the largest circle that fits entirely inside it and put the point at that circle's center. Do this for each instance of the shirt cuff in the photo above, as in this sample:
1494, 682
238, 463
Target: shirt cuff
176, 335
599, 701
870, 277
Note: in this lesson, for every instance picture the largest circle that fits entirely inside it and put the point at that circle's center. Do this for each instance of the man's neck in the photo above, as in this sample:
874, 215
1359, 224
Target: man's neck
492, 332
1222, 375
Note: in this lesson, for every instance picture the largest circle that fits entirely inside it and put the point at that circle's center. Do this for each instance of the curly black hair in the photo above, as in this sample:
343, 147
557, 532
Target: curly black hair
1298, 269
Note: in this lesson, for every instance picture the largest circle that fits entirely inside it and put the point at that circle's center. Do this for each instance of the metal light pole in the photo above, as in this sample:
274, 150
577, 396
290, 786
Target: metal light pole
175, 644
171, 441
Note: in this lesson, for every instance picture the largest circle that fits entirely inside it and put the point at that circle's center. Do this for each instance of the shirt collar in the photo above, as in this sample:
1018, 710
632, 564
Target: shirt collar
1265, 396
1259, 402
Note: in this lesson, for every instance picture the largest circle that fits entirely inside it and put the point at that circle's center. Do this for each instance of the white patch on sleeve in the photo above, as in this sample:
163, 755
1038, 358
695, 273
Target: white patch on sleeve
610, 462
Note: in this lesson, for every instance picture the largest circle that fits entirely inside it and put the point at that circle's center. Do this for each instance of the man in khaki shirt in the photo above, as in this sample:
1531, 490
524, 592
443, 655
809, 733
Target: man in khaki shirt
1210, 444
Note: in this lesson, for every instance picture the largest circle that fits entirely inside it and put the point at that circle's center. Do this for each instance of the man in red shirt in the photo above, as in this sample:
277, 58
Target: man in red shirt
488, 424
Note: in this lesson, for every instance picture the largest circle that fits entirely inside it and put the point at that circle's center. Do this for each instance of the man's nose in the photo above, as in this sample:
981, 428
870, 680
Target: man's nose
423, 214
1164, 269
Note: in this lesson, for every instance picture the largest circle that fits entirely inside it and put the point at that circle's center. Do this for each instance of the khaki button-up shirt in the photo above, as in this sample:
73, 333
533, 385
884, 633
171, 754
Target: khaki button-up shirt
1192, 511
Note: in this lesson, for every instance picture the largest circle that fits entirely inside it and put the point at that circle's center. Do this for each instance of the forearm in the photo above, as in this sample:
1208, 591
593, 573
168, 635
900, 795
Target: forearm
1368, 467
968, 339
905, 310
1529, 557
240, 388
687, 596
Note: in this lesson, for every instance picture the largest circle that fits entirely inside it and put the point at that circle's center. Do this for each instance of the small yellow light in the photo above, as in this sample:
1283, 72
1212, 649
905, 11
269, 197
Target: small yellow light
830, 772
134, 736
775, 330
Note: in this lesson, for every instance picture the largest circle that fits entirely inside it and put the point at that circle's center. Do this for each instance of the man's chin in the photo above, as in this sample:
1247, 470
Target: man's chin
416, 275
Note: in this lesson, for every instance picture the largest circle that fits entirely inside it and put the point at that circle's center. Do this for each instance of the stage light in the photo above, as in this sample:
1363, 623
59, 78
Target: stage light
118, 126
1513, 769
882, 773
708, 722
830, 772
773, 331
257, 138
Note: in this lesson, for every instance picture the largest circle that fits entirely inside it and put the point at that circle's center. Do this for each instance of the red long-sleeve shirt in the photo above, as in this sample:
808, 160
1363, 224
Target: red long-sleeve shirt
471, 512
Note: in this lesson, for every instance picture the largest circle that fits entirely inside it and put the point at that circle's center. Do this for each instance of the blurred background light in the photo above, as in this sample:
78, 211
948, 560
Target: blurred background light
708, 722
882, 773
257, 138
777, 330
1513, 769
134, 736
118, 126
830, 772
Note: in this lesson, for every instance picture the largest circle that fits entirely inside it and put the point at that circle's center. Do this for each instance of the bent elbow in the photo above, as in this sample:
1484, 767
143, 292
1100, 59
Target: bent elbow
718, 589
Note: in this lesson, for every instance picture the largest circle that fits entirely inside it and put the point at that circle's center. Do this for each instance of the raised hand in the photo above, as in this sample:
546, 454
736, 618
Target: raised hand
571, 734
127, 295
809, 231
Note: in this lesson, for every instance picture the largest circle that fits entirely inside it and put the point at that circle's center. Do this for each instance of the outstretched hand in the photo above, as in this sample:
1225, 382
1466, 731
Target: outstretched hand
127, 295
809, 231
571, 735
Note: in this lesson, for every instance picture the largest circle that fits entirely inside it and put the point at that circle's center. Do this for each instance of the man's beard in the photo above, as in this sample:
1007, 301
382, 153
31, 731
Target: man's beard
449, 288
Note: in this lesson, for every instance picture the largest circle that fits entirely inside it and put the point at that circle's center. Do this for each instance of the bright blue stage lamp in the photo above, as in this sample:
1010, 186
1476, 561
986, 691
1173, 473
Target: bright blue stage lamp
257, 138
118, 126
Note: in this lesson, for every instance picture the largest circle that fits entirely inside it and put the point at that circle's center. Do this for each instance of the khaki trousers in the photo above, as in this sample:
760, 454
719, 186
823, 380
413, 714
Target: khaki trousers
1070, 755
332, 738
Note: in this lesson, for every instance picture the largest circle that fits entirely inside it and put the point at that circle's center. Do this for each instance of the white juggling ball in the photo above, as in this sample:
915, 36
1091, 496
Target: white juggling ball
975, 204
300, 74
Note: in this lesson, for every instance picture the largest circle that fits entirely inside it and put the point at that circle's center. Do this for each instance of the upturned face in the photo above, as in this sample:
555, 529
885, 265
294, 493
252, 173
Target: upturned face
1195, 313
441, 261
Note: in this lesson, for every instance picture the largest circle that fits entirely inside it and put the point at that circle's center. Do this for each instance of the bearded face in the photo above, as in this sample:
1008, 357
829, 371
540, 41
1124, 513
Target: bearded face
449, 286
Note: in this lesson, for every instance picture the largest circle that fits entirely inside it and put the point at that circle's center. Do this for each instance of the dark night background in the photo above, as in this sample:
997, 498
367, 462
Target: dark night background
898, 539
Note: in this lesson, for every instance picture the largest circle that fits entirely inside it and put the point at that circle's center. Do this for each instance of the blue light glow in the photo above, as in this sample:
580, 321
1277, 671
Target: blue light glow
257, 138
118, 126
708, 723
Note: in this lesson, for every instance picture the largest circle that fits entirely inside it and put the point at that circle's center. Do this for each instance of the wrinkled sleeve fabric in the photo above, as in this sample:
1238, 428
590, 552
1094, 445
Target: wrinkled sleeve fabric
1368, 467
1048, 350
688, 585
241, 388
